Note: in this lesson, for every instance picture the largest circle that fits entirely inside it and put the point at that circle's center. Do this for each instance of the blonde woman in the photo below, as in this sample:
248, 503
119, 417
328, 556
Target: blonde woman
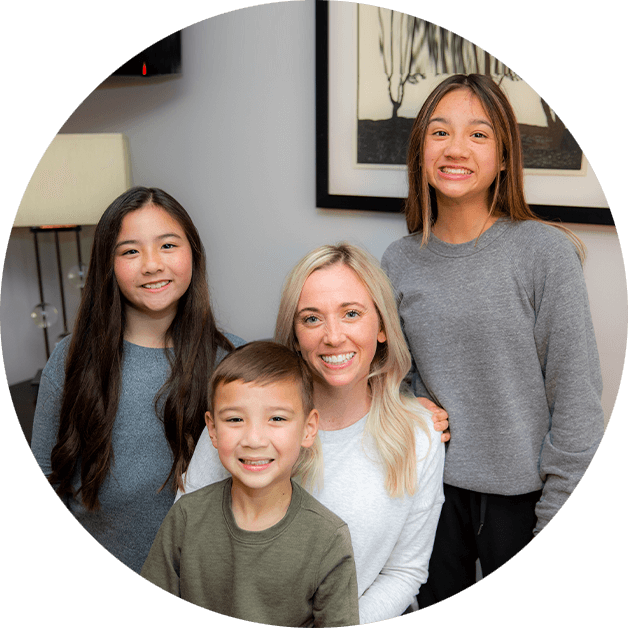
382, 456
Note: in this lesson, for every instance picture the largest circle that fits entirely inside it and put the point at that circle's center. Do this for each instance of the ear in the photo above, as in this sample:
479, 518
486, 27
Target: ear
211, 428
381, 336
310, 429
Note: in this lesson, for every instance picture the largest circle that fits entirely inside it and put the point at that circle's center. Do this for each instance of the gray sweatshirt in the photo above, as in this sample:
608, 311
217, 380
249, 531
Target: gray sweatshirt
501, 337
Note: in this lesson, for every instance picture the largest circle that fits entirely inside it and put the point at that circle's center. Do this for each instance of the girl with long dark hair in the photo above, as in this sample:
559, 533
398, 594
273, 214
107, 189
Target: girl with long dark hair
122, 400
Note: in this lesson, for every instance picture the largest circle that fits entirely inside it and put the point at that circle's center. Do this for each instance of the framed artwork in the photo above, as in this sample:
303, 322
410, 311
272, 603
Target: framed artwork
375, 67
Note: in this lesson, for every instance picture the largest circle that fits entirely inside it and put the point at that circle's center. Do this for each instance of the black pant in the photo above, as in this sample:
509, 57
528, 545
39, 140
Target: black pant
474, 525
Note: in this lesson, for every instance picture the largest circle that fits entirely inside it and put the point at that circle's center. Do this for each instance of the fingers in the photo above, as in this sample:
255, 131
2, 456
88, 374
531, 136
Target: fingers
439, 417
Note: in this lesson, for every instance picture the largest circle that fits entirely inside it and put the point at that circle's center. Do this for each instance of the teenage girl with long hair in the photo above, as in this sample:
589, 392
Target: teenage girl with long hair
494, 306
122, 400
382, 457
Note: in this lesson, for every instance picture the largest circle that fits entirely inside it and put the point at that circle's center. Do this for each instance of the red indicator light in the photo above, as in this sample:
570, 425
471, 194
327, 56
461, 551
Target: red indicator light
144, 68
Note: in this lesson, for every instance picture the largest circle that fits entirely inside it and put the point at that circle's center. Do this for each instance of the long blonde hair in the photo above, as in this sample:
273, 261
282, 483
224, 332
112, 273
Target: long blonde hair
393, 415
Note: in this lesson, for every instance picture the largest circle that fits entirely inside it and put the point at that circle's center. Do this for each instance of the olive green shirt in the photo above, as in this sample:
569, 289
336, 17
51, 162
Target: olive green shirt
299, 572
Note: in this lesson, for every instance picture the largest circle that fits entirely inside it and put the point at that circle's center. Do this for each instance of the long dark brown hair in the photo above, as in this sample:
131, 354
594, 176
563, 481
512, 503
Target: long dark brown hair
94, 360
507, 191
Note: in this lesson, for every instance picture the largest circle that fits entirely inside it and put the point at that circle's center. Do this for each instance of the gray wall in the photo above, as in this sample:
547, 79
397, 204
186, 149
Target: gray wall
233, 140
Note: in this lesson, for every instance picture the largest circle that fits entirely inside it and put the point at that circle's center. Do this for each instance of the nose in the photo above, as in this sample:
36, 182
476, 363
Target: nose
254, 436
334, 333
151, 263
456, 147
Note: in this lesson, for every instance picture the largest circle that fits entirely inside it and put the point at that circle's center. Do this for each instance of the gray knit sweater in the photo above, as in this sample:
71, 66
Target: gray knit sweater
501, 337
132, 508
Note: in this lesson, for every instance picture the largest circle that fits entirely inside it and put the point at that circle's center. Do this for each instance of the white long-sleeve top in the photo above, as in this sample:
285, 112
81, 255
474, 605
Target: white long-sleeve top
392, 537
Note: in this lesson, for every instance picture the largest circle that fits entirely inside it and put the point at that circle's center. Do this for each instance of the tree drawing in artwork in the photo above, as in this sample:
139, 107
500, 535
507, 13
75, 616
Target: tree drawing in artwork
414, 52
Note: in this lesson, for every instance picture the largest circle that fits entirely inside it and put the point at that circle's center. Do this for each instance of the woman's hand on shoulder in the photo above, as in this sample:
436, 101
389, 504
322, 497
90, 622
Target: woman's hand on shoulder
439, 417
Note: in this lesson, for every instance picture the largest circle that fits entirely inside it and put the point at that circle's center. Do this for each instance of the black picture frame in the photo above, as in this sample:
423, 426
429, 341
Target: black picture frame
327, 200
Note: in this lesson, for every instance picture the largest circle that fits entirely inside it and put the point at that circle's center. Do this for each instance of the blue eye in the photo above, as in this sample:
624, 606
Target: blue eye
310, 319
353, 314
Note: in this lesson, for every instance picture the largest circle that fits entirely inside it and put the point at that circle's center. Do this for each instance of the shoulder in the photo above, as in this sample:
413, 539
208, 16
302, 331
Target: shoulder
313, 509
535, 238
428, 447
400, 254
55, 367
208, 496
427, 441
539, 253
400, 248
236, 341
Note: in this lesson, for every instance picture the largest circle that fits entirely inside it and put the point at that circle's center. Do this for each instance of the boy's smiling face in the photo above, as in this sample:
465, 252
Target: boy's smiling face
259, 430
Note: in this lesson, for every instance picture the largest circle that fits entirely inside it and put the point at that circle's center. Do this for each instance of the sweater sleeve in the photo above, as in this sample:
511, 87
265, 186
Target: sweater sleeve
162, 565
392, 261
48, 408
569, 361
335, 602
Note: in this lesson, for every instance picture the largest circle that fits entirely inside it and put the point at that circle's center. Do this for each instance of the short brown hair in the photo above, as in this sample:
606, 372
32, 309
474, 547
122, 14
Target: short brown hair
263, 362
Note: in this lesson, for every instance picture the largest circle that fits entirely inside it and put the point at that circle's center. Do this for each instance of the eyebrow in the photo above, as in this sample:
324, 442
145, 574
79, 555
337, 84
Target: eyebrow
241, 410
470, 123
165, 236
346, 304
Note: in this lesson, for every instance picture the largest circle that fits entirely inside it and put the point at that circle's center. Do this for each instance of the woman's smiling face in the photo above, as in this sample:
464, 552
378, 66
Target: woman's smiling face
337, 327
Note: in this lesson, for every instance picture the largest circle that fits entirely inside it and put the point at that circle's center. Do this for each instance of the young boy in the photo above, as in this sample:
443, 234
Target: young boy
257, 546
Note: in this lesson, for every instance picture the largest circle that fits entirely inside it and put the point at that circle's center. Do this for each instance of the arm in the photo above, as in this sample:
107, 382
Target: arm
162, 565
413, 379
48, 408
335, 602
569, 360
407, 567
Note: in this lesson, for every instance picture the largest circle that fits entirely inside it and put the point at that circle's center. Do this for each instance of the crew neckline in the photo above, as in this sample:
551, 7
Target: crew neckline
344, 434
136, 346
259, 537
447, 249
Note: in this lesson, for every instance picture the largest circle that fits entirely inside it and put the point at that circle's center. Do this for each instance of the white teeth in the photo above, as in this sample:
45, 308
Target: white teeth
456, 170
154, 286
338, 359
256, 463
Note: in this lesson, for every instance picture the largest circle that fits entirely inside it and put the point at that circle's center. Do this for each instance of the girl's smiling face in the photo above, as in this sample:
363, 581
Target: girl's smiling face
152, 262
460, 151
337, 327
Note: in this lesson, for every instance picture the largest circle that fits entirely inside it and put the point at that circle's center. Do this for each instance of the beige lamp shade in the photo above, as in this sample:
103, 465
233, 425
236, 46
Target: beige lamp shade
76, 180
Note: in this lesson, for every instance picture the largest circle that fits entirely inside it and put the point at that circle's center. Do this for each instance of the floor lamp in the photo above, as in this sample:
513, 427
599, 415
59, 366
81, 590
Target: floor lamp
76, 179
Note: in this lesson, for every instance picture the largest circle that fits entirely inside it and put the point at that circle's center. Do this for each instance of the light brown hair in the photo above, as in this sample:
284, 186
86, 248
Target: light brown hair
507, 192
